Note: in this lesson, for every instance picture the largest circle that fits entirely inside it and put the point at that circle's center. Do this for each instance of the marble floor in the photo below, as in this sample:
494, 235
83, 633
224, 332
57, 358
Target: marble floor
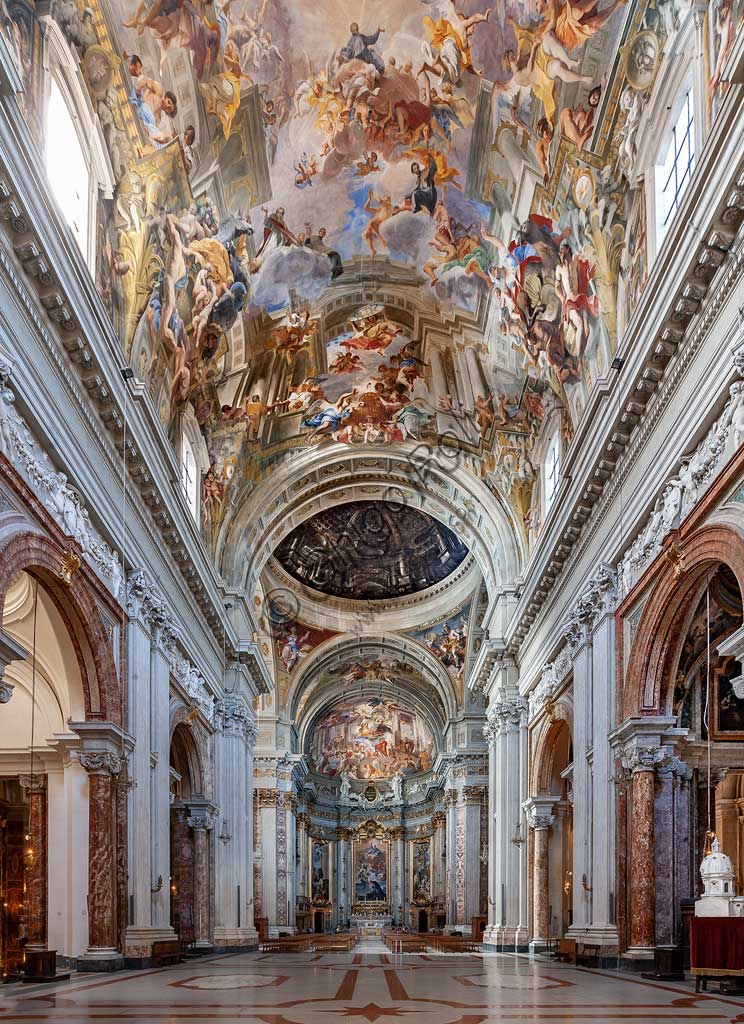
364, 987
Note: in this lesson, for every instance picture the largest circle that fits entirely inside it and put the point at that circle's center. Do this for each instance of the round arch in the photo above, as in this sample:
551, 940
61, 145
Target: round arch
77, 604
185, 755
553, 744
339, 651
439, 481
670, 603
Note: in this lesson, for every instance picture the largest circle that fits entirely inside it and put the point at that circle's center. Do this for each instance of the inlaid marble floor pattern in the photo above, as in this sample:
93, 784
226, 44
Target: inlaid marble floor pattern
365, 987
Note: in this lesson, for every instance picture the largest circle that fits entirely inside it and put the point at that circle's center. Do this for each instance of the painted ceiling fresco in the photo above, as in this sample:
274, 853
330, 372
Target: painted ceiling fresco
371, 739
368, 225
370, 550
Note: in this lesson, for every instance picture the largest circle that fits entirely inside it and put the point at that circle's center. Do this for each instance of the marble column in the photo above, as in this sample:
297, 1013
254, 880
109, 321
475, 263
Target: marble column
267, 811
398, 894
473, 799
439, 823
583, 695
450, 807
642, 857
201, 824
343, 875
602, 929
233, 867
36, 860
102, 768
303, 871
162, 639
507, 869
540, 820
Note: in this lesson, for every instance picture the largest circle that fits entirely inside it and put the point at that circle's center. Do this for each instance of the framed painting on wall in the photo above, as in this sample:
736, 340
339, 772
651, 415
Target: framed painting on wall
421, 871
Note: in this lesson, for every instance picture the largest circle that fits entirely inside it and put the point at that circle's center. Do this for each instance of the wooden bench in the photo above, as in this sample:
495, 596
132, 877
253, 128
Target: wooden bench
287, 944
166, 953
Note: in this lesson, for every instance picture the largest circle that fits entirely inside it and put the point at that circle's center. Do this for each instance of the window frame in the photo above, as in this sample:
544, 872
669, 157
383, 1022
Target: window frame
61, 67
682, 115
551, 472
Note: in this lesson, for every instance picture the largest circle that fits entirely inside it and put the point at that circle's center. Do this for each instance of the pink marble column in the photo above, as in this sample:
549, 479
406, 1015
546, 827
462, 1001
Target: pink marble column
36, 860
642, 857
541, 890
200, 824
102, 767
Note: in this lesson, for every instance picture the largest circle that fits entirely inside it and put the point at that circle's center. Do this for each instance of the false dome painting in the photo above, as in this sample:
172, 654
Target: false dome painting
371, 550
372, 738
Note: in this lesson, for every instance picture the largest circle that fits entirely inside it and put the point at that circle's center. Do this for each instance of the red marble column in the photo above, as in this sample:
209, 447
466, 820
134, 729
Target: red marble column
541, 891
642, 861
101, 767
36, 861
201, 825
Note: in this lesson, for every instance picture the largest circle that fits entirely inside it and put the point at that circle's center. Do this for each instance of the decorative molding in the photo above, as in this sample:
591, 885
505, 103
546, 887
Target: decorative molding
6, 691
538, 811
234, 718
64, 505
508, 715
194, 685
200, 822
33, 783
100, 762
682, 492
638, 757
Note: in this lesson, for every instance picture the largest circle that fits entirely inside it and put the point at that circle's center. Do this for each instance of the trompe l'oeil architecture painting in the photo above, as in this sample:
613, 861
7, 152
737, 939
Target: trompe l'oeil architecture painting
371, 479
261, 162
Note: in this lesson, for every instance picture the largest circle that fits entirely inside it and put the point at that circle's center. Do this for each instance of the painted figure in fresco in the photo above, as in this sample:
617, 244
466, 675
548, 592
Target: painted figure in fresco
384, 210
573, 276
725, 33
451, 44
295, 336
424, 195
221, 92
155, 106
577, 123
360, 47
317, 242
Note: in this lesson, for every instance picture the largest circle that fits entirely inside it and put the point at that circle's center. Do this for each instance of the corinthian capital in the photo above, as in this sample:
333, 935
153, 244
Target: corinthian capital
235, 718
100, 762
638, 758
538, 811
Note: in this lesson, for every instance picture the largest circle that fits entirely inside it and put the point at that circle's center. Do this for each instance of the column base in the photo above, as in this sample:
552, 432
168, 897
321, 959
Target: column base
637, 959
538, 946
505, 939
235, 940
100, 960
139, 939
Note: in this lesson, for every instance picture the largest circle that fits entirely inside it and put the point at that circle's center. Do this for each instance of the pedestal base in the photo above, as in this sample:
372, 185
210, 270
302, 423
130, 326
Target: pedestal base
637, 959
234, 940
139, 939
100, 961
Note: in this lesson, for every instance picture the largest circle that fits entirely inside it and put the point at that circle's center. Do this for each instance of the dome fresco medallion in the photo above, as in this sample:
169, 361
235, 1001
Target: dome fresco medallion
370, 550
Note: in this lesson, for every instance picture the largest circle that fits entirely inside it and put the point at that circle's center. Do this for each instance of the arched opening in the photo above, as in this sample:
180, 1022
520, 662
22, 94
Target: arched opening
684, 672
190, 842
550, 815
43, 860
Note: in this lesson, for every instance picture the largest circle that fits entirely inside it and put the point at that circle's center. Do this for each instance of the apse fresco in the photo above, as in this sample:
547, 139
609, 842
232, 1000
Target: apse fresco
369, 226
371, 739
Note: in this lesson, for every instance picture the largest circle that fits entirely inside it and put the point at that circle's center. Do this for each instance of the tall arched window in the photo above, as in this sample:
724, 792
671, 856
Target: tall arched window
190, 476
67, 168
674, 163
551, 472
